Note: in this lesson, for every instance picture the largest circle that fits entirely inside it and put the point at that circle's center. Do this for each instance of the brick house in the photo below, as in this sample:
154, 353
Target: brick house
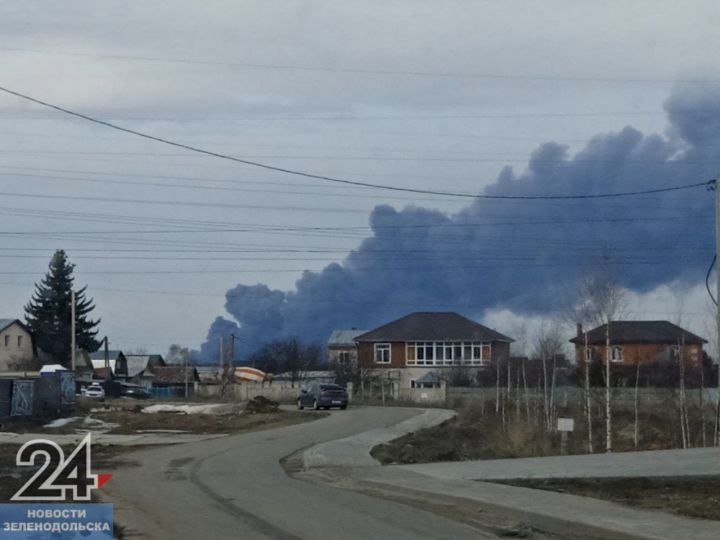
638, 341
421, 343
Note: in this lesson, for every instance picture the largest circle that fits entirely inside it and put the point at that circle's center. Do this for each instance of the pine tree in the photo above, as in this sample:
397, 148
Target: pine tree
48, 313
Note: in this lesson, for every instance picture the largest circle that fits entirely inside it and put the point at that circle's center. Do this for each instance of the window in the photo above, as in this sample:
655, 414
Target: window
382, 353
616, 354
447, 353
7, 340
19, 341
344, 357
588, 354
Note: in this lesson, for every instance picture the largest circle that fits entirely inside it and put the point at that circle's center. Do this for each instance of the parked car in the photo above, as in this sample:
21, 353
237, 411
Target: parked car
94, 391
134, 391
322, 396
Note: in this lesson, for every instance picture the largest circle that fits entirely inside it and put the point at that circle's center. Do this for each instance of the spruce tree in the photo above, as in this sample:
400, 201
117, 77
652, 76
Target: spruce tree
48, 313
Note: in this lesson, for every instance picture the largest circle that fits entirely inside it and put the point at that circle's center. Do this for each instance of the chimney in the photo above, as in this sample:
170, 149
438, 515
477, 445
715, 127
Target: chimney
579, 330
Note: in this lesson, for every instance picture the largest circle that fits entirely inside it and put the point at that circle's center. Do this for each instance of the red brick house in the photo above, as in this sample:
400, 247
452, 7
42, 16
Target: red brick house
638, 341
424, 342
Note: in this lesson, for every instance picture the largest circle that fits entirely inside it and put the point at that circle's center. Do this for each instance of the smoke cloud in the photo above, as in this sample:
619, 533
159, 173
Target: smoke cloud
523, 256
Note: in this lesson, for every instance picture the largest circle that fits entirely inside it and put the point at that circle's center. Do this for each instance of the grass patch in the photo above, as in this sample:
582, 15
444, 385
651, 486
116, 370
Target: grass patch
477, 432
697, 497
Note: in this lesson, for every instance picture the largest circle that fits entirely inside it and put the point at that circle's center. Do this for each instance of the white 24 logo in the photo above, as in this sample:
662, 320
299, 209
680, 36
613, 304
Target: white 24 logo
58, 478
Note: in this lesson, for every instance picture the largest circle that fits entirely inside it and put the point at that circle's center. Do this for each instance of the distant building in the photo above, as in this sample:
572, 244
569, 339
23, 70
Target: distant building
420, 348
16, 346
140, 366
633, 342
116, 362
341, 347
171, 380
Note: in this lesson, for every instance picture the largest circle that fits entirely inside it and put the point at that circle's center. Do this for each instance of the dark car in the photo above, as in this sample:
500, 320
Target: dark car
135, 392
322, 396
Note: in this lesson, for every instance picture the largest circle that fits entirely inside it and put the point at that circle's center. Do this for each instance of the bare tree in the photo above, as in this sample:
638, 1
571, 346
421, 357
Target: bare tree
548, 346
601, 299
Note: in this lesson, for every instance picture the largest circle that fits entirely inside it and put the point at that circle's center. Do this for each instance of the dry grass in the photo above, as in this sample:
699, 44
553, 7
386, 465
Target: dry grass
478, 433
695, 497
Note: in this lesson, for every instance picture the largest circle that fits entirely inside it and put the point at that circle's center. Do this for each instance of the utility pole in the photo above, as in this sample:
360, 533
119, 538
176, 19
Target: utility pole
608, 409
107, 353
232, 349
72, 330
221, 355
185, 368
717, 308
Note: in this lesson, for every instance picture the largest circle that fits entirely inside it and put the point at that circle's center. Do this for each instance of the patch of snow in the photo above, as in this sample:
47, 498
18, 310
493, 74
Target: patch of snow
186, 409
60, 422
162, 431
97, 426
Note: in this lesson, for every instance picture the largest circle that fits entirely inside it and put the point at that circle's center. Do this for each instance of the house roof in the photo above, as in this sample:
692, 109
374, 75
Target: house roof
639, 332
113, 354
100, 364
344, 338
429, 378
136, 363
4, 323
433, 326
174, 374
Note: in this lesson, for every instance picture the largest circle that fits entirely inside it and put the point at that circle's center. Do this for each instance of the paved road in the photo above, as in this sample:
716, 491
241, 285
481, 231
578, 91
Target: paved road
234, 487
691, 462
141, 439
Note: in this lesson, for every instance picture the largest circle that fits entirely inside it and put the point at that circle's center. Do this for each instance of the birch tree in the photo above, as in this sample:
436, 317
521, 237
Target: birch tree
600, 300
549, 345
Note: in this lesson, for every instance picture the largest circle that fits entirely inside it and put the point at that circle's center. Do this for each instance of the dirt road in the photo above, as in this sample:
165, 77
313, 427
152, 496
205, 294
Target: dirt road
235, 487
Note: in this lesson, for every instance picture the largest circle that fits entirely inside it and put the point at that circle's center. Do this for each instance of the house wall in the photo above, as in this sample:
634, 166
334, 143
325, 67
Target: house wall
12, 356
366, 356
334, 354
642, 353
574, 396
245, 391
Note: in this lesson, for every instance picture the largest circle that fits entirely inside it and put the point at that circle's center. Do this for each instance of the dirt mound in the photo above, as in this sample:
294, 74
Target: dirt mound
261, 404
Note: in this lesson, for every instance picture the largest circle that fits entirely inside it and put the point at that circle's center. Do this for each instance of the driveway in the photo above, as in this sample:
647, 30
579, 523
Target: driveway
235, 487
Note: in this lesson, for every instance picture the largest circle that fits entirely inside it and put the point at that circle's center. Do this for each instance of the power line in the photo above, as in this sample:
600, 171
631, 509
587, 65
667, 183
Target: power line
333, 179
360, 71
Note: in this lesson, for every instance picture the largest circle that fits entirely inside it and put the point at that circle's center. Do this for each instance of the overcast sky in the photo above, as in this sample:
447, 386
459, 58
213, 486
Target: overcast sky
422, 94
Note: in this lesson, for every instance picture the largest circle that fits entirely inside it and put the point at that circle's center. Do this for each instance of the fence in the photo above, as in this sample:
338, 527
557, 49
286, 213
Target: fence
171, 391
47, 395
622, 398
246, 391
429, 396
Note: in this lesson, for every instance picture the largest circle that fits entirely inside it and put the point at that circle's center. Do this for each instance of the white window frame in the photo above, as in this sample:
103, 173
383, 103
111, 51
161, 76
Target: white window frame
382, 347
418, 353
618, 359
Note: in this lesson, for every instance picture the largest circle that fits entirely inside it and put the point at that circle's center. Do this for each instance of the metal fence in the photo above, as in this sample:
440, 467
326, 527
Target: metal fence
170, 391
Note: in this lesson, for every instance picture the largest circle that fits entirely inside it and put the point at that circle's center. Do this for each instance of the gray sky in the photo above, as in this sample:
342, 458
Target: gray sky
437, 95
